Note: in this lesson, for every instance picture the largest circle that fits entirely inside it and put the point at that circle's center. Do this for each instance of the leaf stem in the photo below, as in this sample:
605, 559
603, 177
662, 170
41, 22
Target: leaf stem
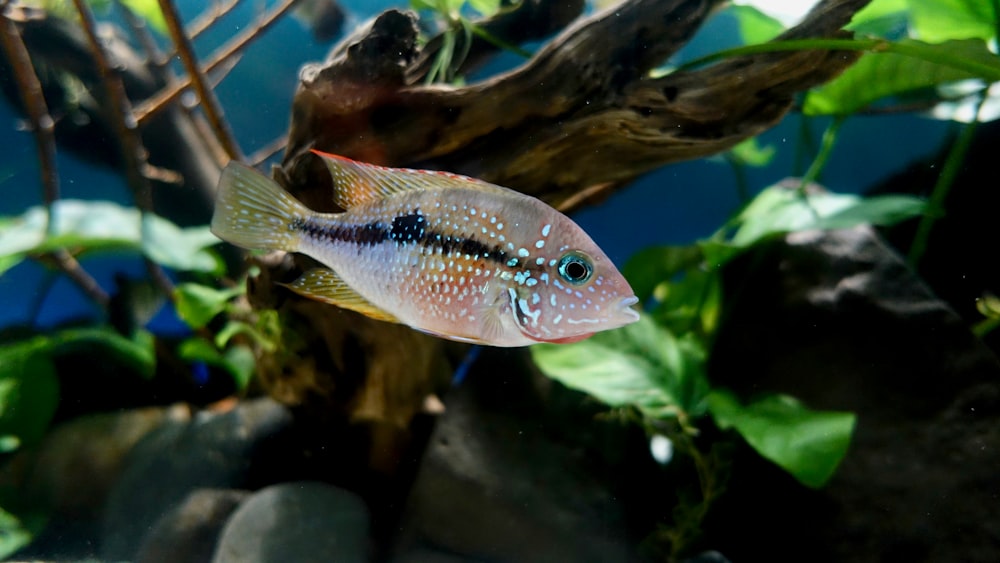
496, 41
945, 180
916, 50
826, 145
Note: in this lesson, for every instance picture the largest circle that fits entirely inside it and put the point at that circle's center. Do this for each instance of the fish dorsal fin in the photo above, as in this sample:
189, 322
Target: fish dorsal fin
325, 285
357, 183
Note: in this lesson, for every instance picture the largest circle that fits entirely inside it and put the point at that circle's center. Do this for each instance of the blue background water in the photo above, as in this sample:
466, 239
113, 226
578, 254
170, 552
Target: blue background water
674, 205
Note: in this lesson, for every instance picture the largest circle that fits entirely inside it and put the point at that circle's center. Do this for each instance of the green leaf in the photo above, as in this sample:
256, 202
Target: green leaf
691, 303
935, 21
755, 26
422, 5
137, 354
149, 11
808, 444
242, 363
238, 361
640, 364
919, 66
779, 210
882, 18
751, 153
180, 249
649, 267
485, 7
14, 533
82, 226
198, 304
29, 392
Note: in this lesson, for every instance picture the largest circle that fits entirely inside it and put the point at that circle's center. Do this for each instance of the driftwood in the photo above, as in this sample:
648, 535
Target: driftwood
580, 116
583, 112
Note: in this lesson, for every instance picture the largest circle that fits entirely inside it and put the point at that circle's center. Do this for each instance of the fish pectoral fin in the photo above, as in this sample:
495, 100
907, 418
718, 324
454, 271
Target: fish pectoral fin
492, 322
325, 285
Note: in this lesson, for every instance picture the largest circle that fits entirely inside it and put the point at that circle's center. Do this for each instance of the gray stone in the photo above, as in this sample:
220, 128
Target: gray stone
519, 469
838, 320
300, 521
190, 531
245, 448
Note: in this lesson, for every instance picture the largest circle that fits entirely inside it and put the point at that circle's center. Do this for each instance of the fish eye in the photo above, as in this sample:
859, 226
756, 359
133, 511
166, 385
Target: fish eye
575, 268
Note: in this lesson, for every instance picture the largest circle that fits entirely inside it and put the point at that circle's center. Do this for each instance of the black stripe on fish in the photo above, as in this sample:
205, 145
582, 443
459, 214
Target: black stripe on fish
368, 234
405, 229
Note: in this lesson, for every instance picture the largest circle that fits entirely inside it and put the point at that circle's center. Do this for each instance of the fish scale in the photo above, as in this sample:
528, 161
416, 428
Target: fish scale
443, 253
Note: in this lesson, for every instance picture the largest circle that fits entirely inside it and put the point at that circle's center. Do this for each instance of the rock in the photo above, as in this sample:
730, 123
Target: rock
190, 531
246, 448
299, 521
839, 321
71, 473
519, 469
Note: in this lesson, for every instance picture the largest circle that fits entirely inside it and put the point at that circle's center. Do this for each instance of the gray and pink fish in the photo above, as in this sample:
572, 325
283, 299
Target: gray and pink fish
449, 255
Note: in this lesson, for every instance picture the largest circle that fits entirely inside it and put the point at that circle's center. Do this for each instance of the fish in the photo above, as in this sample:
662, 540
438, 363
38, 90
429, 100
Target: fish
445, 254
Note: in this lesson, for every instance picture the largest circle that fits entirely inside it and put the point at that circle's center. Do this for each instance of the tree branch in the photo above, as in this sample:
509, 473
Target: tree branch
150, 107
209, 103
583, 111
42, 129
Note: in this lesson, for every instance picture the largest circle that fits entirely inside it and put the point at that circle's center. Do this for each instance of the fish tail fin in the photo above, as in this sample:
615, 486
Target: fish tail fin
253, 211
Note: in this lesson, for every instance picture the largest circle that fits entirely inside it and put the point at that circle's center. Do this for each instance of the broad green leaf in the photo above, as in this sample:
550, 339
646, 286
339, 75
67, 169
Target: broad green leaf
808, 444
29, 392
104, 226
15, 533
691, 303
138, 353
640, 364
882, 18
234, 327
198, 304
935, 21
149, 11
180, 249
779, 210
651, 266
755, 26
422, 5
242, 363
751, 153
880, 75
485, 7
238, 361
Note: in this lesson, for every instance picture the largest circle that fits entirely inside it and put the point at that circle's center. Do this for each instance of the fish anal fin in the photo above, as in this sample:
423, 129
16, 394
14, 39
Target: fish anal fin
325, 285
357, 183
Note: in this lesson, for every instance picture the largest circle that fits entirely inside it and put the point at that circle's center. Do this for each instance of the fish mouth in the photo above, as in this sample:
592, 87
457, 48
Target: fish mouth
626, 314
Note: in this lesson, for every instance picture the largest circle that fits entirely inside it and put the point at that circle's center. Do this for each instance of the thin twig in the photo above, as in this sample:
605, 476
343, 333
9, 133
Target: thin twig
141, 32
205, 19
268, 150
127, 134
43, 130
42, 125
155, 104
209, 103
74, 271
